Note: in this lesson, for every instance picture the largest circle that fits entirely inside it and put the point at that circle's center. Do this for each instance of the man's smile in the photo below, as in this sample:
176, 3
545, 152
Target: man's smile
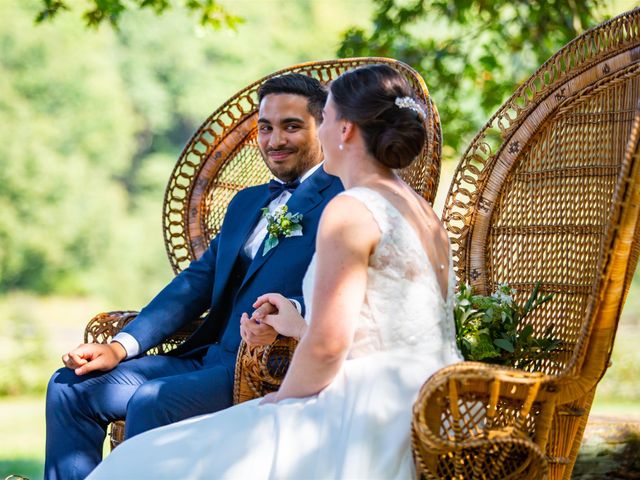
279, 154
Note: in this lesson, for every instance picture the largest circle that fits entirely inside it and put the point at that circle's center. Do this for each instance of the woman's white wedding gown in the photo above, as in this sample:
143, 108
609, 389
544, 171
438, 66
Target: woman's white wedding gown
359, 426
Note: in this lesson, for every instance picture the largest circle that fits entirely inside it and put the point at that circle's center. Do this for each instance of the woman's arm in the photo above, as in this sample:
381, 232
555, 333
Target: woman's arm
347, 236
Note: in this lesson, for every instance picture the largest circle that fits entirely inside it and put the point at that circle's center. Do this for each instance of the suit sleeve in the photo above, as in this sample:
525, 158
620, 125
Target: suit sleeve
185, 298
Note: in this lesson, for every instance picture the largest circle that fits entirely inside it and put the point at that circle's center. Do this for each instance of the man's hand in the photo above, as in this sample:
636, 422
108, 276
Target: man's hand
94, 356
253, 331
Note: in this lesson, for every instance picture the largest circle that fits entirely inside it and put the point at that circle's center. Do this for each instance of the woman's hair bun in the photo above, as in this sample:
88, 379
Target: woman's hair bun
379, 100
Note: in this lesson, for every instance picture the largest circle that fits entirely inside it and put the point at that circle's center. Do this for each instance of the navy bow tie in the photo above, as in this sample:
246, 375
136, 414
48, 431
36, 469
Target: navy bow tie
276, 188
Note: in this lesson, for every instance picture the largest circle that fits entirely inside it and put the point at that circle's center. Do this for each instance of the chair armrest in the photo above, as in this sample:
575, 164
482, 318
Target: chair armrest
472, 417
261, 369
104, 326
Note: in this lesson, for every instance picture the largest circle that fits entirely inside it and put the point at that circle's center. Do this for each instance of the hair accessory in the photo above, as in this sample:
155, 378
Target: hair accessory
410, 103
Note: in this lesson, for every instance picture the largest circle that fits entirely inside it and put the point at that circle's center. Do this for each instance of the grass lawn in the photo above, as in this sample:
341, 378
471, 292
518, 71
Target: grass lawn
22, 436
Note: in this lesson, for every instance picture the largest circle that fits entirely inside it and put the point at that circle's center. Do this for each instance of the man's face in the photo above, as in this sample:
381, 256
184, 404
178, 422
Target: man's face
287, 135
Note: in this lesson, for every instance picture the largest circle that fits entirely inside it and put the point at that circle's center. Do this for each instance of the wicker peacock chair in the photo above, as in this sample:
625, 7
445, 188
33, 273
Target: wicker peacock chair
547, 192
260, 370
222, 158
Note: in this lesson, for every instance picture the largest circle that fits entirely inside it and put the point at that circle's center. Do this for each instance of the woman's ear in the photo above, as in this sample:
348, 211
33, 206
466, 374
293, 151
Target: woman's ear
347, 131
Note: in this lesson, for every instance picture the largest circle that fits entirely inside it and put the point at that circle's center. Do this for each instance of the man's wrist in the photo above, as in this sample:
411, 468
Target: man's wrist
296, 304
119, 350
130, 344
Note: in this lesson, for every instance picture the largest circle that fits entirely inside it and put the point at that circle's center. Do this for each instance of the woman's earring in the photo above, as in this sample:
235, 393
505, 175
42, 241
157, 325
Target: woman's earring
341, 147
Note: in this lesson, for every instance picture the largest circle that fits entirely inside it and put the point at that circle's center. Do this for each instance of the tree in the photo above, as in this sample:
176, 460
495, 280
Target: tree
94, 120
472, 53
210, 12
62, 140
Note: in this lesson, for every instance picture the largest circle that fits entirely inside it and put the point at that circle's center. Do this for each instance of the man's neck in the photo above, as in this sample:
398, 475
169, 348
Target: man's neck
305, 175
310, 172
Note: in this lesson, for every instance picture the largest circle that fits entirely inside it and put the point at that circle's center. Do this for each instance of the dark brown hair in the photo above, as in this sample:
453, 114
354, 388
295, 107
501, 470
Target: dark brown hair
366, 96
297, 84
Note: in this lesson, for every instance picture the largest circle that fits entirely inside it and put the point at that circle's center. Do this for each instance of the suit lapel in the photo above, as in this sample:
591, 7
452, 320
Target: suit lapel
241, 230
304, 199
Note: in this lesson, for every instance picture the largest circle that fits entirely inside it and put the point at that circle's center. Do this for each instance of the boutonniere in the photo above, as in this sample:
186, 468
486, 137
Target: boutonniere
280, 224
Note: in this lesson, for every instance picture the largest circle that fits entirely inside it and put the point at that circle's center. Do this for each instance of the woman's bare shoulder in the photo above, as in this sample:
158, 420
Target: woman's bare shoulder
348, 219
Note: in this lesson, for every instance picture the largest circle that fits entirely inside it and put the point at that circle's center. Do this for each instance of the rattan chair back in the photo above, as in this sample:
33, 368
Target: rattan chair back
223, 157
531, 199
544, 194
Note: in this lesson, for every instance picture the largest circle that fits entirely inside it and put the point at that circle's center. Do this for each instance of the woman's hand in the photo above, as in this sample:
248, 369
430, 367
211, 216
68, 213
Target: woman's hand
287, 321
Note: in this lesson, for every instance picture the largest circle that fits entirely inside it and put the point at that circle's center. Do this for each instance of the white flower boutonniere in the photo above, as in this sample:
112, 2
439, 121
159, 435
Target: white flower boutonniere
280, 224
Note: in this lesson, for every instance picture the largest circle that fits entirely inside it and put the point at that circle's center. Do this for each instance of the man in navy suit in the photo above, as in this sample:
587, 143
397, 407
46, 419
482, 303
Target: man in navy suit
102, 383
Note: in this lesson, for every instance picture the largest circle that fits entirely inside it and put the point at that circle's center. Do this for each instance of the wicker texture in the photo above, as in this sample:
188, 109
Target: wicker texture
260, 370
544, 193
222, 158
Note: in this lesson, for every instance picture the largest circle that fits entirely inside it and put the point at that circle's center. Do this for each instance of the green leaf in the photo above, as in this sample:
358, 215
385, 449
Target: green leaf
269, 243
532, 298
504, 344
526, 333
487, 328
296, 227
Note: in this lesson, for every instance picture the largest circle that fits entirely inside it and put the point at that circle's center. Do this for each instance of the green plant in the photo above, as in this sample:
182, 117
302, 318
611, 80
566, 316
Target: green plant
487, 328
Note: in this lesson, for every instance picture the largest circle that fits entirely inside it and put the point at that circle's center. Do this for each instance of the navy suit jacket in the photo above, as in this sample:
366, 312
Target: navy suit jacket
205, 284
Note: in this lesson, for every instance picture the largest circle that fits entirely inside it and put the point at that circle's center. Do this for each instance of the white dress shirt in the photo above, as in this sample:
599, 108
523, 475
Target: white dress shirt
251, 247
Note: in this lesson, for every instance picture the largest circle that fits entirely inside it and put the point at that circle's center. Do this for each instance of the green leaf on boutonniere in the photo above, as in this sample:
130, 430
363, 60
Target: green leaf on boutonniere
269, 243
280, 223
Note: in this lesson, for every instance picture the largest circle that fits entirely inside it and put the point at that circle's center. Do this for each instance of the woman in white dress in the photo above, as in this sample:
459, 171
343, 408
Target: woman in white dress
379, 320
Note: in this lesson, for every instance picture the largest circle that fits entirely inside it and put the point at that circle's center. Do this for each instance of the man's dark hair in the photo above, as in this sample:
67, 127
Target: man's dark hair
297, 84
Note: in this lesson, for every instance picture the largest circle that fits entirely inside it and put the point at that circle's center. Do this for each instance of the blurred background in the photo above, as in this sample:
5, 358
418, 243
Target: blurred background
96, 105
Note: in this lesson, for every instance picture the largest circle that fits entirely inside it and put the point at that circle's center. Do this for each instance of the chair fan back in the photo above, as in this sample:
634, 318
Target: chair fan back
531, 201
223, 157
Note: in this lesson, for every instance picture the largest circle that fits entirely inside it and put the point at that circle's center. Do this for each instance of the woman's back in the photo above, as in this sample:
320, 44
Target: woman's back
404, 309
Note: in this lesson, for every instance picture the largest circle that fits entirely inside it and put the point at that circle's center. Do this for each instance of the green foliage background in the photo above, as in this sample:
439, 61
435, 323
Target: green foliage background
93, 119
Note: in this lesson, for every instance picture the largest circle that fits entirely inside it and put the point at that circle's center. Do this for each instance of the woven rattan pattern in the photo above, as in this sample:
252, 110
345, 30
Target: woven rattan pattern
463, 200
538, 232
260, 370
544, 193
460, 448
222, 157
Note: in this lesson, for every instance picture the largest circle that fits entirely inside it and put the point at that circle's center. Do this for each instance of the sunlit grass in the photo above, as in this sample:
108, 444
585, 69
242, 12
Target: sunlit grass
22, 436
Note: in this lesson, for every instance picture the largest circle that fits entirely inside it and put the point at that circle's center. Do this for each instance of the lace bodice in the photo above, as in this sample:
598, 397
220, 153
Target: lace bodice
403, 309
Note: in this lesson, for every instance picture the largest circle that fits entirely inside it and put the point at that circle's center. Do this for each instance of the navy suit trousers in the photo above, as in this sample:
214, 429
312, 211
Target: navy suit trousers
149, 391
